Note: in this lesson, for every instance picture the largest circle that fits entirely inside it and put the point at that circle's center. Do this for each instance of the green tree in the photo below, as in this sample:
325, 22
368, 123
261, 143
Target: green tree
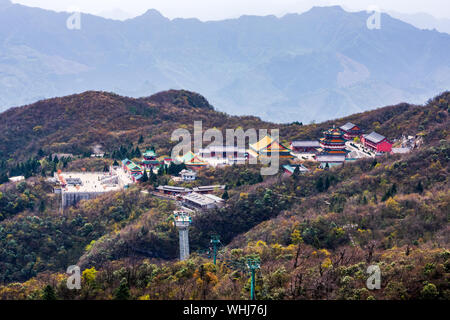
319, 185
42, 206
429, 291
3, 178
137, 152
49, 293
152, 176
123, 291
41, 153
225, 195
145, 176
296, 172
327, 183
419, 187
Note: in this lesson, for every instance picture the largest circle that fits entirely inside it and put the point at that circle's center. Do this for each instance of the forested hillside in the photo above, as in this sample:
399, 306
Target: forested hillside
75, 124
315, 234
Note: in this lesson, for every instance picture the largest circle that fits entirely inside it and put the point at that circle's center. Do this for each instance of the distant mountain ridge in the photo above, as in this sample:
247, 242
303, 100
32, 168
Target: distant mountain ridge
319, 65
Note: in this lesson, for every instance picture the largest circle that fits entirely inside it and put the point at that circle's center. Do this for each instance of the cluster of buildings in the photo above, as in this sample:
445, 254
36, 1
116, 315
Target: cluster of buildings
197, 198
149, 161
346, 143
339, 145
335, 147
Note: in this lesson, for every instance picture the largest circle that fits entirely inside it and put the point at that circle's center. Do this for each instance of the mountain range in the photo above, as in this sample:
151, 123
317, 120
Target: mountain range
319, 65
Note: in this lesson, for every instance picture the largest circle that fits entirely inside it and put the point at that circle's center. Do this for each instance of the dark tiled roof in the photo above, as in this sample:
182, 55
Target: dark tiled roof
173, 189
305, 144
374, 137
348, 126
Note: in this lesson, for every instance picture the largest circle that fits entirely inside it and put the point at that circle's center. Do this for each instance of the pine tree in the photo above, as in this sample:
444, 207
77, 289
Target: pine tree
137, 153
260, 178
123, 292
319, 185
42, 206
327, 183
225, 195
152, 177
419, 187
170, 168
374, 163
393, 189
3, 178
145, 176
296, 172
141, 139
49, 293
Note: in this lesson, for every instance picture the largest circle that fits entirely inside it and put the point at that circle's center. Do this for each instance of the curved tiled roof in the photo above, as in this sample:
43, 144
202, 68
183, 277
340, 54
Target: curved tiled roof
374, 137
348, 126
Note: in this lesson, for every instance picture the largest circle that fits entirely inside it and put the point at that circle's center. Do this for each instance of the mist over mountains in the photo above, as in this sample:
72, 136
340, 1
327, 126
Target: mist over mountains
319, 65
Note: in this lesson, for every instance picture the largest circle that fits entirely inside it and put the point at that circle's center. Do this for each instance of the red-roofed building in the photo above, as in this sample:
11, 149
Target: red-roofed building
351, 131
376, 142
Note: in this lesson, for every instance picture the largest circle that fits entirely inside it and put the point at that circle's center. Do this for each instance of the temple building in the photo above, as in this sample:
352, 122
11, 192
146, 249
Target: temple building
150, 160
305, 146
266, 146
376, 142
351, 131
188, 175
192, 161
333, 148
134, 170
226, 155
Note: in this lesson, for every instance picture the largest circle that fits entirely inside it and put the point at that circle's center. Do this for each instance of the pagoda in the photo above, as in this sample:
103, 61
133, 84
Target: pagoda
333, 149
149, 159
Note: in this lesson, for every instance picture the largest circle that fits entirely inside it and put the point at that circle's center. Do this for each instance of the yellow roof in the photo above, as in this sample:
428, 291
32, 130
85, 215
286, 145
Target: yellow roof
261, 144
275, 146
192, 159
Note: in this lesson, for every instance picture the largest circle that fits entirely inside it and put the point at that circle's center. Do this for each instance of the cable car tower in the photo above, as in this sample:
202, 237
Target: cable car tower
182, 222
249, 264
215, 241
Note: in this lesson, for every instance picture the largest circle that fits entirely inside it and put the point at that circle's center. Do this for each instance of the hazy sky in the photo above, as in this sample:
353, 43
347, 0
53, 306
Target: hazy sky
221, 9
